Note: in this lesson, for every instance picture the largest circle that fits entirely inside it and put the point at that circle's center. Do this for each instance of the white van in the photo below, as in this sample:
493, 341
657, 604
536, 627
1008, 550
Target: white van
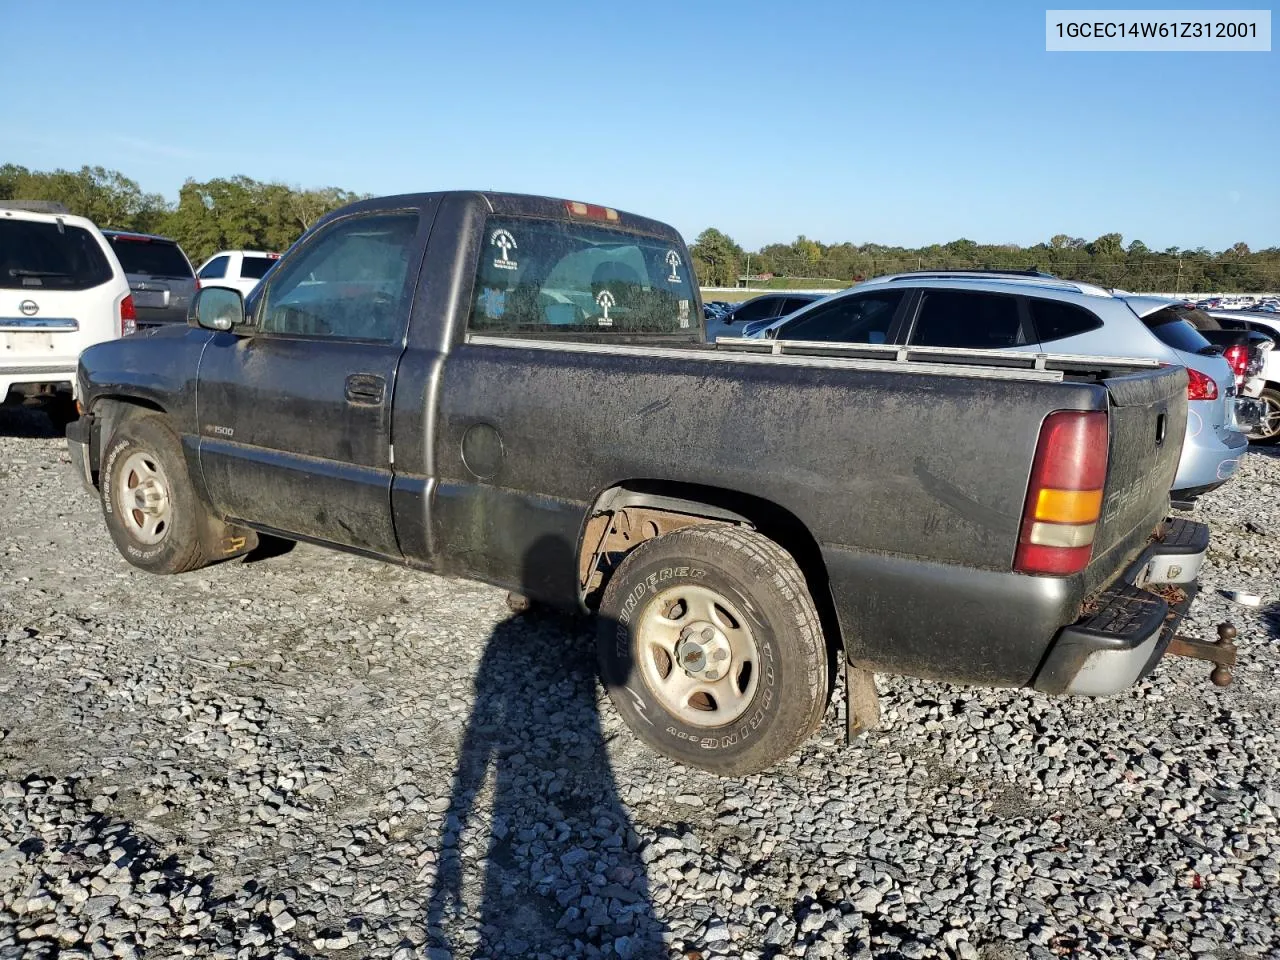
61, 290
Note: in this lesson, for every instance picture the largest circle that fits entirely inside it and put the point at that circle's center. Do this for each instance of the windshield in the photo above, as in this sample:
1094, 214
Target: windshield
553, 277
50, 256
152, 258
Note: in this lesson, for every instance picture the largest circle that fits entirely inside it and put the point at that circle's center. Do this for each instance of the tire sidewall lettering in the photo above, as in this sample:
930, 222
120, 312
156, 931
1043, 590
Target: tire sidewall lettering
128, 546
635, 692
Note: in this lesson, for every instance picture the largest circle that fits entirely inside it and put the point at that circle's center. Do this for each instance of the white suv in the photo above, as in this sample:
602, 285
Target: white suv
61, 290
238, 269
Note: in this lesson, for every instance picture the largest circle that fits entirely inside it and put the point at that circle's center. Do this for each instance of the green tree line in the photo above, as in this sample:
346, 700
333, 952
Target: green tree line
242, 213
231, 213
1107, 261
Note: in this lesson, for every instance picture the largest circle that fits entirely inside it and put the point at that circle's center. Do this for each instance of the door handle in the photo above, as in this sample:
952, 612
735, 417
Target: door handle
365, 388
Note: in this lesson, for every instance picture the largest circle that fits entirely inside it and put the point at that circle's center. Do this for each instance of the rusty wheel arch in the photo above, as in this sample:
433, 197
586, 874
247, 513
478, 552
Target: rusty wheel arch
622, 519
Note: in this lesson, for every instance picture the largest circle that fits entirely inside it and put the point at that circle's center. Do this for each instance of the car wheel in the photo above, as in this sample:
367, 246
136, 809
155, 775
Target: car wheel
1268, 429
711, 649
151, 509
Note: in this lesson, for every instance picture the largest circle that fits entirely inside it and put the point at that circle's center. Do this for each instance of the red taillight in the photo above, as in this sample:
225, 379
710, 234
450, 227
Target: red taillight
1238, 357
197, 284
128, 316
1064, 498
1200, 387
590, 210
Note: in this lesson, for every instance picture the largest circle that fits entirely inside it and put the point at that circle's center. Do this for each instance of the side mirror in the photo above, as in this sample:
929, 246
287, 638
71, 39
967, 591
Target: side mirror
218, 308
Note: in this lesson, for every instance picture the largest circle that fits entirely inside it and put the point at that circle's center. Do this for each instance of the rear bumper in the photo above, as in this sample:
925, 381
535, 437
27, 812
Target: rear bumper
36, 378
1209, 455
1129, 625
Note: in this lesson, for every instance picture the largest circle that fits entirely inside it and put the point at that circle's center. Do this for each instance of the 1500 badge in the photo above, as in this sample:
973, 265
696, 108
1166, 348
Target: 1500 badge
218, 430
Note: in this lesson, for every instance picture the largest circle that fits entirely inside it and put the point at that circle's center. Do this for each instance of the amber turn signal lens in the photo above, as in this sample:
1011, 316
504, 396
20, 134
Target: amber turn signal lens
1068, 506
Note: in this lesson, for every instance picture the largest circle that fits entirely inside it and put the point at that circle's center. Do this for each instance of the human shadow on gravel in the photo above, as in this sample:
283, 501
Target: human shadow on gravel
560, 867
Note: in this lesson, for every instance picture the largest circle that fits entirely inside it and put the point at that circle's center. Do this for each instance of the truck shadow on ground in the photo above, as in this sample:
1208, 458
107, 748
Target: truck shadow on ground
28, 422
537, 854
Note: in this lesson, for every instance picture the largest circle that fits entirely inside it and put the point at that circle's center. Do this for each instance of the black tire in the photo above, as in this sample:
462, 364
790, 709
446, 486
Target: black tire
189, 536
763, 585
1268, 432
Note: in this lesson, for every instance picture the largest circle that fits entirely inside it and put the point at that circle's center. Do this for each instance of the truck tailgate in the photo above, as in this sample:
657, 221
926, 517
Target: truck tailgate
1148, 419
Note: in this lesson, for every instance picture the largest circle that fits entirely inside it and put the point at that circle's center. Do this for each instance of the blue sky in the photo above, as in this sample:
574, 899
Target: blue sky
899, 123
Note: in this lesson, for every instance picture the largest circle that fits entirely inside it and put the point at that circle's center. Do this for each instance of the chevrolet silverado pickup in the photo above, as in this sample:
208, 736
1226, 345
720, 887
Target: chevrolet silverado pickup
517, 390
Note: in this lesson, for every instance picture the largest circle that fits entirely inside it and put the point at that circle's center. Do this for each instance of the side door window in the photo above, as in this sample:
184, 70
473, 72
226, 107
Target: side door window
349, 283
215, 269
792, 304
756, 310
865, 318
965, 318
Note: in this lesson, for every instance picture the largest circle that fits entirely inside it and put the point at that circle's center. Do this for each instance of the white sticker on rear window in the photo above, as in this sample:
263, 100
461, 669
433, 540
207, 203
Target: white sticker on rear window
674, 262
606, 300
505, 242
684, 313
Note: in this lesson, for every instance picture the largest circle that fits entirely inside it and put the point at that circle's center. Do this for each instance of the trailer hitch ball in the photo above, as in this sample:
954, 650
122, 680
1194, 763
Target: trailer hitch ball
1221, 674
1221, 652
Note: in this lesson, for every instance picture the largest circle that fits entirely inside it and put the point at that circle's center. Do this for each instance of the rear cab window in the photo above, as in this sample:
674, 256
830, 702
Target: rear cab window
1174, 328
255, 268
550, 278
151, 257
35, 255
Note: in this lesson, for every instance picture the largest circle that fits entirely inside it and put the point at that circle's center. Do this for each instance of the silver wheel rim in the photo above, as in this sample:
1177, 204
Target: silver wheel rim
143, 495
1270, 424
698, 656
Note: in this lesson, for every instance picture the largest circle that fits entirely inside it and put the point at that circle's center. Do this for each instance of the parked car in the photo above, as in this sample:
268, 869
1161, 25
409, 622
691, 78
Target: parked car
237, 269
61, 289
766, 308
1260, 322
159, 273
993, 310
730, 515
1244, 350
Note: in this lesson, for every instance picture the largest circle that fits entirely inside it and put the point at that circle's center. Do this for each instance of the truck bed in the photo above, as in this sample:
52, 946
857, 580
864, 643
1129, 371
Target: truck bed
910, 476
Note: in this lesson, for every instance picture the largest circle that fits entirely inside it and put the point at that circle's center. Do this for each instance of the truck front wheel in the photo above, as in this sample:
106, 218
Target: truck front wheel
152, 511
711, 649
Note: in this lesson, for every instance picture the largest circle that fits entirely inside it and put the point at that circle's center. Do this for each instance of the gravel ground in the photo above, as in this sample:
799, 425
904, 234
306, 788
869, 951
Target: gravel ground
318, 755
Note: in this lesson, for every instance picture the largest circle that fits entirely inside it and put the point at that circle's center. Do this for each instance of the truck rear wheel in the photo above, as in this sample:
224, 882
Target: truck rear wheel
152, 511
711, 649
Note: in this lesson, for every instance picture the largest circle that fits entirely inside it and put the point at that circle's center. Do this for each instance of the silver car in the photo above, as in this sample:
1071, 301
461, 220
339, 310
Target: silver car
1034, 312
160, 276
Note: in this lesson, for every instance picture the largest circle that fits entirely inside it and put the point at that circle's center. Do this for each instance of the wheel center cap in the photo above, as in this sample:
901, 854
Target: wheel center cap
703, 651
149, 497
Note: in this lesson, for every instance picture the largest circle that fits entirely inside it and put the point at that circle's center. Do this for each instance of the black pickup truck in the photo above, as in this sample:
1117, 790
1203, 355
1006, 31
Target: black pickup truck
517, 390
